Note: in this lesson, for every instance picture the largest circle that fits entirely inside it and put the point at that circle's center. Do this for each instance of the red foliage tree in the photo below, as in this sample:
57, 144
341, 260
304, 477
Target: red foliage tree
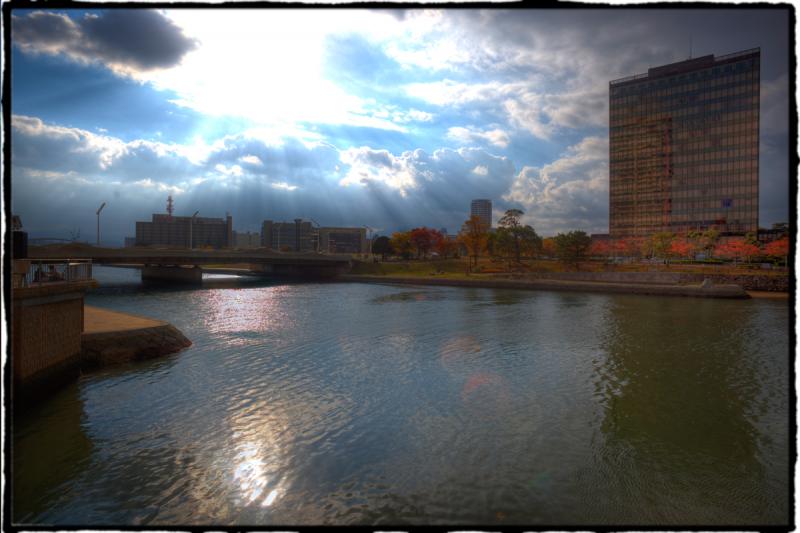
422, 239
600, 248
778, 249
736, 250
681, 248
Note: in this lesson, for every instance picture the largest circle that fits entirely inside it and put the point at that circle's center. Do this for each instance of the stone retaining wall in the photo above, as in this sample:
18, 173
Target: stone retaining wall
750, 282
127, 345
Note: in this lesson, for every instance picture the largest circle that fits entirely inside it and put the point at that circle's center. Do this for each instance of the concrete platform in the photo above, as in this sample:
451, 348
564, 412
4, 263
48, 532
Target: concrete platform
113, 337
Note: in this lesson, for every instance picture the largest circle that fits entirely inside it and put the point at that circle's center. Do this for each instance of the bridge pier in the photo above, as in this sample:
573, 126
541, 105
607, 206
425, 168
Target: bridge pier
174, 274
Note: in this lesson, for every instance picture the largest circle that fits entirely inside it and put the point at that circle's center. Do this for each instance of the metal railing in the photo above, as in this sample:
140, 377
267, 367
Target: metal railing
44, 271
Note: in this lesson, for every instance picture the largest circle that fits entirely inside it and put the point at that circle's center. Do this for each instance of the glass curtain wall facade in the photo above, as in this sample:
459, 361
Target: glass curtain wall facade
683, 143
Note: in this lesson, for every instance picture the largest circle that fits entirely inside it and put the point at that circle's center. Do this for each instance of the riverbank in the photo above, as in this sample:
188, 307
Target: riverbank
113, 337
711, 291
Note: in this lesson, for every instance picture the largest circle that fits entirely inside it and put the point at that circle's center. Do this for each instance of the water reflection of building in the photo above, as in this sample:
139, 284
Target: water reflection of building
680, 393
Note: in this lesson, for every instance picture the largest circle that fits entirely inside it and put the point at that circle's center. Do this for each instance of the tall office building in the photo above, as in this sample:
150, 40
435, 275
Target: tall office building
483, 210
684, 147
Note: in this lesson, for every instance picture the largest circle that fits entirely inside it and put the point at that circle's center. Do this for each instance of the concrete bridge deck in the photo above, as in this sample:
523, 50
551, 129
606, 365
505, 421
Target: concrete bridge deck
171, 264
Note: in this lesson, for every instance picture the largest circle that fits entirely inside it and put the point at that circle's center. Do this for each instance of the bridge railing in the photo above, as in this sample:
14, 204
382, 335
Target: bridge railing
36, 272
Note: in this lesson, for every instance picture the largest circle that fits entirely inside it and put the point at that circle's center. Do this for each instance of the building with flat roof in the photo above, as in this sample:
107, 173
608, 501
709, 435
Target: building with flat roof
297, 236
343, 240
177, 232
482, 208
246, 239
683, 147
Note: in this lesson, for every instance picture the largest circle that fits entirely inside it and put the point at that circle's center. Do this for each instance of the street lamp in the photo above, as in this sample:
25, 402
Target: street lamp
98, 222
191, 223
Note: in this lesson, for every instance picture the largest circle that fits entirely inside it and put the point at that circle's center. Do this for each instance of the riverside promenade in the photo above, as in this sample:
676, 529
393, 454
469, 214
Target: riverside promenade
112, 337
693, 290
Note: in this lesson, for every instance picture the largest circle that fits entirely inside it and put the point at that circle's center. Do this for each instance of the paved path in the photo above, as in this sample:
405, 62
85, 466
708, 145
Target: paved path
97, 320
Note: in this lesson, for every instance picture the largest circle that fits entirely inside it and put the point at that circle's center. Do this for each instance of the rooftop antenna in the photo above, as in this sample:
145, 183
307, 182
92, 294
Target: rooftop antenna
169, 206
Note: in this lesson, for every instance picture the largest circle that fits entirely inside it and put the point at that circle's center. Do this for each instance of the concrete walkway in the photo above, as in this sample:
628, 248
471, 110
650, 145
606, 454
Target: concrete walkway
97, 320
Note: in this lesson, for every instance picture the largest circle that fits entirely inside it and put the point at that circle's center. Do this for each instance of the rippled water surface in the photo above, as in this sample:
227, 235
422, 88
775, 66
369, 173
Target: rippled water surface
378, 404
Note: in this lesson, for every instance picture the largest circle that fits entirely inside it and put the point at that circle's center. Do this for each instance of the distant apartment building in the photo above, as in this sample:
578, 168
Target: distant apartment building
683, 147
482, 208
176, 232
297, 236
343, 240
130, 242
246, 239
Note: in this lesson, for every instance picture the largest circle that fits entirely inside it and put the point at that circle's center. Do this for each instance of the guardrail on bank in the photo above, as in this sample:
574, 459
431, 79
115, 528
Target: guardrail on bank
35, 272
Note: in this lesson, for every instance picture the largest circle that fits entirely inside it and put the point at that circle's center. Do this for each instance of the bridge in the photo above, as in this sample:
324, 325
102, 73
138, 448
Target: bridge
184, 265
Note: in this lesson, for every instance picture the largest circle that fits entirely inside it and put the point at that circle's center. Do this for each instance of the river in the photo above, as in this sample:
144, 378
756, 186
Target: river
348, 403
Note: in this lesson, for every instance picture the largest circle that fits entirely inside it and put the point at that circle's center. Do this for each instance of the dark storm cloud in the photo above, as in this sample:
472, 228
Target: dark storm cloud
124, 40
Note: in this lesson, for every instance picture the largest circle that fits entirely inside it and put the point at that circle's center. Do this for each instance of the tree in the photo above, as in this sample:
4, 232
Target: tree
383, 246
473, 236
444, 245
519, 237
736, 250
401, 243
572, 247
422, 240
660, 244
681, 247
549, 247
778, 249
602, 248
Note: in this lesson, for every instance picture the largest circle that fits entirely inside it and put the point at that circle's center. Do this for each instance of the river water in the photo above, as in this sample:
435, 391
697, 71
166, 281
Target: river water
337, 403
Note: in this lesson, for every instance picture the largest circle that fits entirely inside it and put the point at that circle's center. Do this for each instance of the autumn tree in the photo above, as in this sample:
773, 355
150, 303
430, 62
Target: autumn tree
444, 245
473, 236
382, 246
681, 247
778, 249
736, 250
422, 240
572, 247
401, 243
601, 248
659, 244
549, 247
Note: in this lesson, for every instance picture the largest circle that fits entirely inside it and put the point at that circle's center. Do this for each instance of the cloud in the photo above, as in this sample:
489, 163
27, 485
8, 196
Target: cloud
569, 193
126, 41
471, 134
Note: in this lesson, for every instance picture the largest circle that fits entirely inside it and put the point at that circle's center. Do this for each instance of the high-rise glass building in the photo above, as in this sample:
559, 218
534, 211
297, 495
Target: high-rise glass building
483, 210
683, 143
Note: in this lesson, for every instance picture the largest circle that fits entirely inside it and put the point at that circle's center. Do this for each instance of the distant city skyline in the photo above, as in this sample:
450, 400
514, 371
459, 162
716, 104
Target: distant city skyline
383, 118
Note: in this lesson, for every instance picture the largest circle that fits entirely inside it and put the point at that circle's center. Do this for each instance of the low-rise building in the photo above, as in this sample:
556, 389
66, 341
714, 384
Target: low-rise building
185, 232
343, 240
246, 239
297, 236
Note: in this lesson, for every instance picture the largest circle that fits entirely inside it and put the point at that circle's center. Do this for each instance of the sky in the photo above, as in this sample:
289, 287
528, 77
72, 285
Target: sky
390, 119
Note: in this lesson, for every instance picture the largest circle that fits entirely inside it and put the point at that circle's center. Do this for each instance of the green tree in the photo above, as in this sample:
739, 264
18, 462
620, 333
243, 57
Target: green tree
572, 247
382, 246
520, 238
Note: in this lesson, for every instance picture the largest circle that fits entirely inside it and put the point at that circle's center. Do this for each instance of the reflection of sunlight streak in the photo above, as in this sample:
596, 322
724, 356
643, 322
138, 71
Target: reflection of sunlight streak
232, 311
453, 352
249, 474
270, 498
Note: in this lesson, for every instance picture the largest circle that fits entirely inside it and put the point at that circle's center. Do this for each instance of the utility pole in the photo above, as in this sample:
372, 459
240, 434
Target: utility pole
191, 223
98, 222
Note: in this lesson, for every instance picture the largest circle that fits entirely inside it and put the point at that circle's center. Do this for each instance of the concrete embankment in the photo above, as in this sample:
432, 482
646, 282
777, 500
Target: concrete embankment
114, 337
712, 291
